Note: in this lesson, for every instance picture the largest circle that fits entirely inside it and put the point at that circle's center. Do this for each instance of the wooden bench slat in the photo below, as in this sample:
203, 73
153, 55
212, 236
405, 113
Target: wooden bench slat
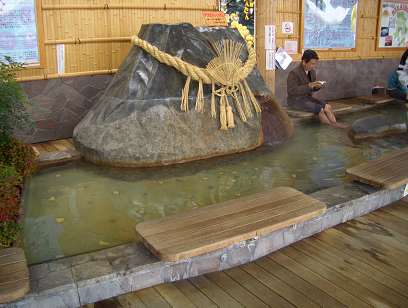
14, 276
213, 211
389, 171
218, 226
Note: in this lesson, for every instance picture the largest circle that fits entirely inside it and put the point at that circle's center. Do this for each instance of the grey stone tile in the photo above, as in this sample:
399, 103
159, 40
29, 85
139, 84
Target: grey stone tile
57, 279
91, 270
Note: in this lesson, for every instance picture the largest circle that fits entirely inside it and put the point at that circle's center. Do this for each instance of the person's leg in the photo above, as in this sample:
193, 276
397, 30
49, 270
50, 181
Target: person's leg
330, 114
323, 117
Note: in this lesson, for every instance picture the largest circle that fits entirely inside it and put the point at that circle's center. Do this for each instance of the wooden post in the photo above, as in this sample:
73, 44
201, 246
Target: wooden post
265, 15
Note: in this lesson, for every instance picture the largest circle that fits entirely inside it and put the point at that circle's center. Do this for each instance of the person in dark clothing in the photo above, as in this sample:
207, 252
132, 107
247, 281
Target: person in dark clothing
398, 80
302, 83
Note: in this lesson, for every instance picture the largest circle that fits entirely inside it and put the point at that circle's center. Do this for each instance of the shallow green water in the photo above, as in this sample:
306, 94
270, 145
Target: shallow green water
81, 207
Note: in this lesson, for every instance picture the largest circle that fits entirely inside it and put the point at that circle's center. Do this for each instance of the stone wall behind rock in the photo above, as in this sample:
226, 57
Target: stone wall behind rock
59, 104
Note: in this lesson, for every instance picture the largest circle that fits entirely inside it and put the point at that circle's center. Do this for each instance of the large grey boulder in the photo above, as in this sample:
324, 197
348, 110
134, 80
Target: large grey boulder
376, 126
138, 121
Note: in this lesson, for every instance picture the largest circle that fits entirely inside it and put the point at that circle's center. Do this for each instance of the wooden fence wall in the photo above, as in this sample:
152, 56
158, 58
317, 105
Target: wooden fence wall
96, 33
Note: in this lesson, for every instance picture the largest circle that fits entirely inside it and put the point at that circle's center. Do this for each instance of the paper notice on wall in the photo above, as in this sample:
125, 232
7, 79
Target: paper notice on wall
291, 47
287, 27
18, 31
60, 58
270, 37
270, 60
214, 19
283, 59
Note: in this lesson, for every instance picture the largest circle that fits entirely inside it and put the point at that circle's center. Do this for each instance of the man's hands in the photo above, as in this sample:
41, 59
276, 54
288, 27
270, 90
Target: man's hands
315, 85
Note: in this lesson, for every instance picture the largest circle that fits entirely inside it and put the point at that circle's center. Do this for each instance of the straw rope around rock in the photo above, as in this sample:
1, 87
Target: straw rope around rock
226, 70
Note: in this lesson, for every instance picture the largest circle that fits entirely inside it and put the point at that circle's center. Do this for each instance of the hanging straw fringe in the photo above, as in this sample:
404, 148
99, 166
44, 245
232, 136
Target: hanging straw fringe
213, 111
239, 107
223, 111
199, 107
247, 106
252, 97
184, 95
230, 115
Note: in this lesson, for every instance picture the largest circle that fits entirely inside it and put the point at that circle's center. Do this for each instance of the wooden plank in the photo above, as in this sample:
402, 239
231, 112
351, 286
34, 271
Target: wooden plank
235, 290
130, 300
299, 114
151, 298
194, 294
278, 286
257, 288
39, 148
225, 227
203, 230
210, 242
357, 265
385, 237
9, 252
320, 282
215, 293
364, 278
376, 99
59, 145
390, 222
14, 282
399, 210
337, 106
309, 290
335, 277
389, 171
382, 260
174, 296
214, 211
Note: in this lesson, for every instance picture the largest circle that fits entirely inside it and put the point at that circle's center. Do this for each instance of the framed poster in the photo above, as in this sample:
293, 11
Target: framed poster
240, 14
393, 24
19, 38
329, 24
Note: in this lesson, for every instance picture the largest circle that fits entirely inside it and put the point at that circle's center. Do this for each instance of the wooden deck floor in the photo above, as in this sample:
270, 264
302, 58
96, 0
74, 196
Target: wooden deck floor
362, 263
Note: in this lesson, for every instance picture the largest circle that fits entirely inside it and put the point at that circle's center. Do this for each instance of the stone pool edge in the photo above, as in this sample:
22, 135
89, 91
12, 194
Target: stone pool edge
91, 277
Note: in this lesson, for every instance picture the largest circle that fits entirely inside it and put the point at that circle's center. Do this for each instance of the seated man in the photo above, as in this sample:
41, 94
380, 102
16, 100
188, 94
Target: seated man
398, 81
302, 83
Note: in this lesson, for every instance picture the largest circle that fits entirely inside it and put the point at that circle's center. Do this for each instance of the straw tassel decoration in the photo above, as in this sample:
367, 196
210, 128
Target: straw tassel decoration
199, 107
252, 97
223, 110
239, 107
213, 109
184, 95
230, 115
247, 106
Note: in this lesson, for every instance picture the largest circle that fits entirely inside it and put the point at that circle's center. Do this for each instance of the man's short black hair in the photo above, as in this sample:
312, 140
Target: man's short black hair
404, 58
309, 55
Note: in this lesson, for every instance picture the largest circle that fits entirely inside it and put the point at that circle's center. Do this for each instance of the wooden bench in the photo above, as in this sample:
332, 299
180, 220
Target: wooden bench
338, 107
346, 105
214, 227
389, 171
376, 99
55, 152
14, 282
